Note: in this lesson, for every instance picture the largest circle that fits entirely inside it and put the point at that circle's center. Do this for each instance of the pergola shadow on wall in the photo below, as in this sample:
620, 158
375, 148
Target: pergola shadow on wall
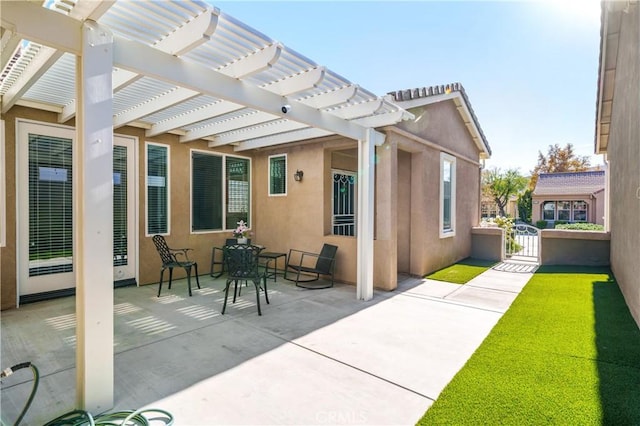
169, 67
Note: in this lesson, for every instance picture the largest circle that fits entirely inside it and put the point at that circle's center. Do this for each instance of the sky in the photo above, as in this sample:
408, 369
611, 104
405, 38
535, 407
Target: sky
530, 69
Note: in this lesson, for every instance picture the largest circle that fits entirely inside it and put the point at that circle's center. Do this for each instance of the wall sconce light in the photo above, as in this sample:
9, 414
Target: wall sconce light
298, 175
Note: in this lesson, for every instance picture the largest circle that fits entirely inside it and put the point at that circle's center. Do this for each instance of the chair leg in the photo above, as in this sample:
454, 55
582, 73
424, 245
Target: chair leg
195, 265
226, 295
188, 270
170, 277
266, 296
160, 286
235, 290
256, 283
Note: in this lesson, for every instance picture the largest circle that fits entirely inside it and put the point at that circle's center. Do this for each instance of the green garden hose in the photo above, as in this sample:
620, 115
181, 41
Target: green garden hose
140, 417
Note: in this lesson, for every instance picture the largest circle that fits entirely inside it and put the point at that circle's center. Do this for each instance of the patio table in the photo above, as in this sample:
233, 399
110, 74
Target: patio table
270, 256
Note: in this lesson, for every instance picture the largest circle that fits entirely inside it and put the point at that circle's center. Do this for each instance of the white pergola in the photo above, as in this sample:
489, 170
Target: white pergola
180, 67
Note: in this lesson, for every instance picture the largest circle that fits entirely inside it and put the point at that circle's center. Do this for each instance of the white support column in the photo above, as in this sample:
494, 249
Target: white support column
366, 212
93, 221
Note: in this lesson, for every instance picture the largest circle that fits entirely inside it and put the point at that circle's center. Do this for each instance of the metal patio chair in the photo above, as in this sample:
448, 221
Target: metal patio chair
311, 265
242, 264
170, 260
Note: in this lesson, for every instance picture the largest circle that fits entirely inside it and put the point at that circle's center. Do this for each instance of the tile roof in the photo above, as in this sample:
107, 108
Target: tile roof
568, 183
439, 91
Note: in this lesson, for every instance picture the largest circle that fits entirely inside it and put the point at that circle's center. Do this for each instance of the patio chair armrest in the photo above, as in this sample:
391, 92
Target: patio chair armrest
181, 252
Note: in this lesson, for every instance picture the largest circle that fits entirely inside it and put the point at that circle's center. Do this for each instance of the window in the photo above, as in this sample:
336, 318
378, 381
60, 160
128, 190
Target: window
220, 191
157, 189
489, 209
447, 195
344, 203
564, 210
549, 210
579, 211
3, 201
278, 174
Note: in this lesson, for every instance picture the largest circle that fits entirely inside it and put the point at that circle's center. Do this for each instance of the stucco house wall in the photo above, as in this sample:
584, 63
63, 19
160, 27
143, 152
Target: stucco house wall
623, 148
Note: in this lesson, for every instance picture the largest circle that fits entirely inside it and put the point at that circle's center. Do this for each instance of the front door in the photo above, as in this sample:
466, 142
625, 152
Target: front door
45, 210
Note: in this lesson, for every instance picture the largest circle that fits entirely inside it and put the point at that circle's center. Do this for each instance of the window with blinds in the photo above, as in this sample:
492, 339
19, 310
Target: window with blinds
120, 223
278, 174
220, 191
206, 192
157, 189
50, 205
344, 203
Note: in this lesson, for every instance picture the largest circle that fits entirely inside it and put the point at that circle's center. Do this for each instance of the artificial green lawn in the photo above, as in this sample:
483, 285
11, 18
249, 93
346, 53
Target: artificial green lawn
567, 352
461, 272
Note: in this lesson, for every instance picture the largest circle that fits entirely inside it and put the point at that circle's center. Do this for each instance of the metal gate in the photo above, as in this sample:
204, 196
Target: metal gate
524, 242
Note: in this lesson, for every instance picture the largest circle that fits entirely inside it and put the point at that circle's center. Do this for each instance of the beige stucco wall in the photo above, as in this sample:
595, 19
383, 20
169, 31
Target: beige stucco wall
487, 243
567, 247
623, 153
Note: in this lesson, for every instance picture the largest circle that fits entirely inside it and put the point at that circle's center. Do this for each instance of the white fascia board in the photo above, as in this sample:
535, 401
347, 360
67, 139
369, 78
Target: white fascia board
298, 83
162, 66
334, 97
275, 127
280, 138
163, 101
43, 60
418, 102
200, 114
254, 63
251, 118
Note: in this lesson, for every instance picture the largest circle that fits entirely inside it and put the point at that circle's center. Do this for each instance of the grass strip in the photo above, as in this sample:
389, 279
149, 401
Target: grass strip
461, 272
566, 352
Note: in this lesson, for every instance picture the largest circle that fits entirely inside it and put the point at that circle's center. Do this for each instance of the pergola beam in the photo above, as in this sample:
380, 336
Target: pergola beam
254, 63
297, 83
270, 128
153, 63
245, 120
218, 108
280, 138
142, 110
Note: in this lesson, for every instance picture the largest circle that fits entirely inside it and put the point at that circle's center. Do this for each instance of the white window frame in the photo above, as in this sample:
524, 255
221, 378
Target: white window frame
286, 175
146, 186
226, 227
3, 189
446, 158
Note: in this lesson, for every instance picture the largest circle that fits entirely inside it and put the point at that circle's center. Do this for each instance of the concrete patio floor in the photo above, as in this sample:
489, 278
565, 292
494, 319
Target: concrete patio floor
313, 357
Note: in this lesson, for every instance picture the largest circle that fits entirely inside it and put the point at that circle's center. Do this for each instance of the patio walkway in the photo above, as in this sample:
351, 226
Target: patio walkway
313, 357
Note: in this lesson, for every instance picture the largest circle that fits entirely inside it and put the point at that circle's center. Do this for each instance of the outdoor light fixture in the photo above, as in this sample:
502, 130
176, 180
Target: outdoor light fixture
298, 175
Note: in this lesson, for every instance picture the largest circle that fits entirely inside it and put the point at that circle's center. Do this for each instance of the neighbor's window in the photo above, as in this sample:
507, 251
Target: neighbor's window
579, 211
344, 203
157, 189
564, 210
549, 210
3, 177
220, 191
447, 195
278, 174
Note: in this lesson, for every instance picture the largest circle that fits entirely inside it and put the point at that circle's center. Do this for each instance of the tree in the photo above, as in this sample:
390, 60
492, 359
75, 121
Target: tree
558, 159
501, 186
525, 205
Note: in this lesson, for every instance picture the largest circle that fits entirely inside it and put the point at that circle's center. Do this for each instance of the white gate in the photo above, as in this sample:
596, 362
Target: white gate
524, 243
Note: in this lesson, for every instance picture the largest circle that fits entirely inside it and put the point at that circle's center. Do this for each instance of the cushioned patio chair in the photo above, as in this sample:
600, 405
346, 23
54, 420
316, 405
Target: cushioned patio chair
174, 258
241, 262
308, 267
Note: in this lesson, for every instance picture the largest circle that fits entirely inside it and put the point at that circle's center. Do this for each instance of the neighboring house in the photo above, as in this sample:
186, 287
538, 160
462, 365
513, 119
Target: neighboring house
617, 136
189, 165
569, 197
489, 208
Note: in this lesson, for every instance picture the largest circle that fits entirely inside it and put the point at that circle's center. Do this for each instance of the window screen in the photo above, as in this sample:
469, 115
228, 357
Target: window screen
237, 191
206, 192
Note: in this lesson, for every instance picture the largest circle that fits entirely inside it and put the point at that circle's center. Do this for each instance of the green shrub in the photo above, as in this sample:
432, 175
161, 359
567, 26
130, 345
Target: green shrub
541, 224
581, 226
506, 223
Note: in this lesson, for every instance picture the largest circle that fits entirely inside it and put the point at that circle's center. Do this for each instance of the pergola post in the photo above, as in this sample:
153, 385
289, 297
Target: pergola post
366, 212
93, 221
